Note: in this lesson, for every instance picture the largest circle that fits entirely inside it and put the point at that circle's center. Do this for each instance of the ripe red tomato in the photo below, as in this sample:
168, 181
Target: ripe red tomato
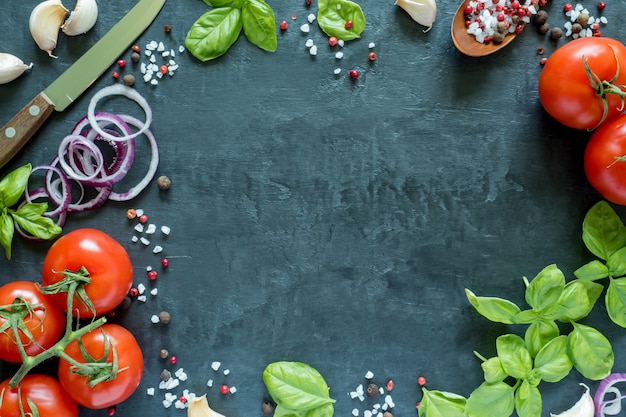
41, 317
129, 363
565, 90
107, 262
44, 391
604, 172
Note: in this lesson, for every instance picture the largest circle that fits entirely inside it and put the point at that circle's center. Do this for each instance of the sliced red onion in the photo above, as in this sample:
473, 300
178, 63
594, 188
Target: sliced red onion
613, 405
128, 92
80, 153
64, 197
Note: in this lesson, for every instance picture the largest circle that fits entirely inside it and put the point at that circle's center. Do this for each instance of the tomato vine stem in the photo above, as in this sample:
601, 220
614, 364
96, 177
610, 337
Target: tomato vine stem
605, 87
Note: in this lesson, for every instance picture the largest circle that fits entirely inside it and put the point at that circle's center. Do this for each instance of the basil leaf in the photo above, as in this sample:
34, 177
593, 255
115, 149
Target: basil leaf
30, 218
13, 185
526, 317
7, 230
528, 402
573, 304
615, 301
538, 334
493, 370
214, 33
590, 351
220, 3
441, 404
552, 361
332, 16
296, 386
259, 24
491, 400
515, 358
495, 309
617, 263
545, 288
603, 231
325, 410
592, 271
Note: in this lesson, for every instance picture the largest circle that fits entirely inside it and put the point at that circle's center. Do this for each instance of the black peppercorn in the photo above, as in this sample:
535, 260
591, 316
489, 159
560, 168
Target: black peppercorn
163, 353
545, 28
371, 390
582, 19
164, 182
497, 37
577, 28
556, 33
135, 57
165, 375
129, 80
164, 317
540, 17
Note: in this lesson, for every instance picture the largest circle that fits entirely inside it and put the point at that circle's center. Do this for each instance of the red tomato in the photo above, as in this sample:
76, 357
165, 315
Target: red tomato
107, 262
604, 172
43, 318
565, 90
111, 392
44, 391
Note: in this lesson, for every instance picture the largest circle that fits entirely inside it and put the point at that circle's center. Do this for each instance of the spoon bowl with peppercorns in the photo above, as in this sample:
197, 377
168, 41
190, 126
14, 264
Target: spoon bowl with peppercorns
468, 42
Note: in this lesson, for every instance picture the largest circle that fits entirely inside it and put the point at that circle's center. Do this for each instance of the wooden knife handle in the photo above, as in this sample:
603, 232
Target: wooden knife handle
23, 126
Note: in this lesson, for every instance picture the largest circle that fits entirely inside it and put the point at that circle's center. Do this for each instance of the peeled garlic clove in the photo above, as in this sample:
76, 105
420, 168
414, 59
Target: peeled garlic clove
11, 67
82, 18
199, 407
44, 23
422, 11
583, 408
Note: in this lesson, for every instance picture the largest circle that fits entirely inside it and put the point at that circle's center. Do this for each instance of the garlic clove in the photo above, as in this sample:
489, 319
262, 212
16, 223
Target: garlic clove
44, 23
82, 18
584, 407
11, 67
423, 12
199, 407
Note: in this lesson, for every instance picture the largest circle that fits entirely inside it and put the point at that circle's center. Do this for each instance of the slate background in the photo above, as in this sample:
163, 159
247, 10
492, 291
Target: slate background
328, 221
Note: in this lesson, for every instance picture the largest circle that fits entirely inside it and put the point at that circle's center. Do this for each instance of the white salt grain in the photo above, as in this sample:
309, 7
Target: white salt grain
157, 249
226, 371
139, 227
150, 391
141, 288
142, 298
305, 28
209, 383
154, 319
151, 229
154, 291
216, 365
143, 239
313, 50
355, 412
154, 82
134, 239
166, 404
309, 43
181, 49
371, 45
311, 18
139, 212
165, 230
339, 55
161, 47
179, 404
337, 71
340, 42
369, 375
233, 389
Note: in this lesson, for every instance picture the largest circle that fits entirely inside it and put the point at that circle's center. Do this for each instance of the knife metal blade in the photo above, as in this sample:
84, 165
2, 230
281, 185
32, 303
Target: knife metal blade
76, 79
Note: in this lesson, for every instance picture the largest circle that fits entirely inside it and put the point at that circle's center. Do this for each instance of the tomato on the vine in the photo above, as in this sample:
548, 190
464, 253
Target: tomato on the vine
93, 253
111, 344
605, 160
581, 83
38, 321
45, 392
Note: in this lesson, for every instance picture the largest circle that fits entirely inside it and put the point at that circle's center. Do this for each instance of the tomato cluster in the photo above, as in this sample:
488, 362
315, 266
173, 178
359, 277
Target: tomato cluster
583, 87
86, 274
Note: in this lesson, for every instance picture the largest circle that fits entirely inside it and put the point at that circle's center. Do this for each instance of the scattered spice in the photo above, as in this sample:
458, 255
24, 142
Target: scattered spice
284, 25
167, 28
129, 80
121, 63
131, 214
556, 33
421, 381
387, 414
540, 17
545, 28
165, 317
354, 74
390, 385
152, 275
371, 390
135, 57
111, 410
163, 353
133, 292
348, 24
165, 262
372, 56
224, 389
115, 75
601, 5
267, 408
173, 360
165, 375
163, 182
143, 218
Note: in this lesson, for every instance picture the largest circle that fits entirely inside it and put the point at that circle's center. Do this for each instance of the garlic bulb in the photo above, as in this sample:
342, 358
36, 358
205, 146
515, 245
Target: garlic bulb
11, 67
199, 407
82, 18
422, 11
44, 23
584, 407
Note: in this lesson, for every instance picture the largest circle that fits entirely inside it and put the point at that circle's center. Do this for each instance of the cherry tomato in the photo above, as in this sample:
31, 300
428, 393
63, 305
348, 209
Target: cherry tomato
106, 261
565, 90
604, 172
40, 315
44, 391
129, 362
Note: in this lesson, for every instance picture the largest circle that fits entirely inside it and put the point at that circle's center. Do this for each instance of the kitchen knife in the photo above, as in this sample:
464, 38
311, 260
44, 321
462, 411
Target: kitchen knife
77, 78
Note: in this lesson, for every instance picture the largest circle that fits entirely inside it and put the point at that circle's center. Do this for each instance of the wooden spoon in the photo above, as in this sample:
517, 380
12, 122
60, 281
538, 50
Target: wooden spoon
467, 43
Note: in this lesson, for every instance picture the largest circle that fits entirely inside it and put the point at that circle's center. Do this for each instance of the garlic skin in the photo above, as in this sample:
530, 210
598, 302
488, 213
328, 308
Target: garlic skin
199, 407
423, 12
11, 67
82, 18
583, 408
44, 23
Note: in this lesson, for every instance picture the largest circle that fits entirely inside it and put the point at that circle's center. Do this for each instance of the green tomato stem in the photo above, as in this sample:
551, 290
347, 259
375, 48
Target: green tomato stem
605, 87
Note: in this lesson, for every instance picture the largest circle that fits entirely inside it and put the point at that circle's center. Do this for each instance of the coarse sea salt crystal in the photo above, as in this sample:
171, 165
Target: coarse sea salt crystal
154, 319
141, 288
134, 239
180, 405
305, 28
339, 55
313, 50
139, 227
142, 298
353, 394
389, 401
143, 239
371, 45
154, 291
147, 76
209, 383
226, 371
367, 413
311, 18
337, 71
233, 389
166, 404
355, 412
369, 375
603, 20
150, 229
309, 43
181, 49
340, 42
216, 365
165, 230
150, 391
170, 397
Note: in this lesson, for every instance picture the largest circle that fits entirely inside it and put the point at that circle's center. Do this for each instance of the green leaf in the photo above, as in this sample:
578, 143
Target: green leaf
495, 309
493, 370
491, 400
259, 24
7, 230
538, 334
590, 352
545, 288
325, 410
526, 317
553, 361
617, 263
30, 218
296, 386
441, 404
574, 302
528, 401
615, 301
515, 358
214, 33
592, 271
13, 185
603, 231
332, 16
220, 3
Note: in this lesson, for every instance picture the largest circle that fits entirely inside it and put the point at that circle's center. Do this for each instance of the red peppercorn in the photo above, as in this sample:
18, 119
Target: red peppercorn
307, 2
143, 218
601, 5
115, 75
500, 17
167, 28
224, 389
519, 29
152, 275
390, 385
165, 262
111, 410
332, 41
595, 26
567, 7
348, 24
354, 74
421, 381
515, 4
133, 292
543, 61
183, 399
121, 63
597, 33
173, 360
284, 25
372, 56
163, 69
468, 10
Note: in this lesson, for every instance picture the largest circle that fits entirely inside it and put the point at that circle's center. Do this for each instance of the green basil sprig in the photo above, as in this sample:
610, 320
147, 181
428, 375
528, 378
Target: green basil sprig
212, 35
28, 216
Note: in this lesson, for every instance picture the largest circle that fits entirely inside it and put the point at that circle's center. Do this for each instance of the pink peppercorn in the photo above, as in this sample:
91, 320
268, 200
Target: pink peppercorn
133, 292
152, 275
284, 25
332, 41
421, 381
173, 360
372, 56
111, 410
121, 63
165, 262
224, 389
567, 7
143, 218
601, 5
348, 24
354, 74
115, 75
390, 385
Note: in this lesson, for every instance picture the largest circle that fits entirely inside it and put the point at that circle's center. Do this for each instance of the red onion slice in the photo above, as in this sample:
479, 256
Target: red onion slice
613, 405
